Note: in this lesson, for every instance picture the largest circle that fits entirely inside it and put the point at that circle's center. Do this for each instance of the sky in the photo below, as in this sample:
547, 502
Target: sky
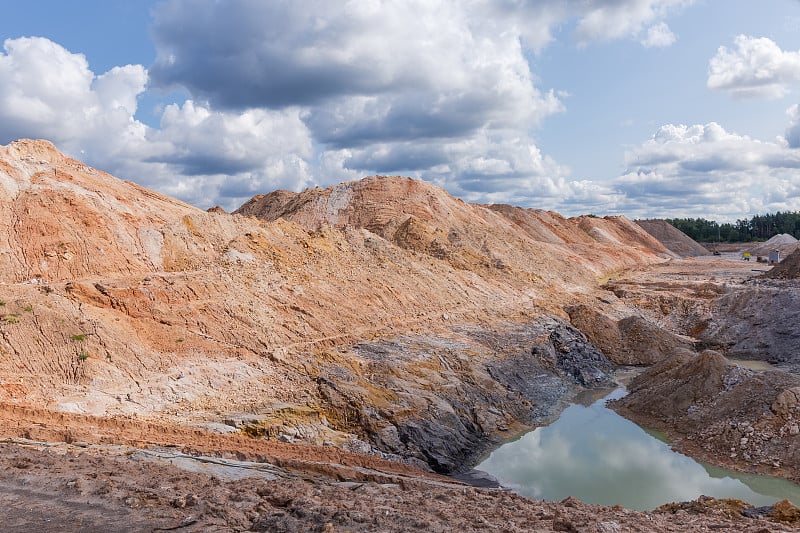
647, 108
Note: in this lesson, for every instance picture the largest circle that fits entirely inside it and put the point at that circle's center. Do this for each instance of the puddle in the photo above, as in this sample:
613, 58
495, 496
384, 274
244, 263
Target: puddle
597, 456
752, 364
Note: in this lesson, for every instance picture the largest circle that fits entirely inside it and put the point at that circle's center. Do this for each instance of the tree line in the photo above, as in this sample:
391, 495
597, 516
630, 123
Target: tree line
758, 228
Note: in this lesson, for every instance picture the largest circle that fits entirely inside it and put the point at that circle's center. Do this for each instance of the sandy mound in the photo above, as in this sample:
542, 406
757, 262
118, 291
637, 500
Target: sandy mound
670, 387
334, 321
422, 218
720, 408
789, 268
62, 220
674, 239
784, 243
629, 341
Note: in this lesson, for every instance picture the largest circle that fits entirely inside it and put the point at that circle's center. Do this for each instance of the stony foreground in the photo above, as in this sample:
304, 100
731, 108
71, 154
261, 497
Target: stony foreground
55, 488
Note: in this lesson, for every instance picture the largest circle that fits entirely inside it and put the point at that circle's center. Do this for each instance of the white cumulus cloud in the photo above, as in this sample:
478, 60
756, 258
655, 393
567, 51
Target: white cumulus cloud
227, 157
287, 94
607, 20
375, 98
202, 156
659, 36
47, 91
758, 67
704, 170
454, 101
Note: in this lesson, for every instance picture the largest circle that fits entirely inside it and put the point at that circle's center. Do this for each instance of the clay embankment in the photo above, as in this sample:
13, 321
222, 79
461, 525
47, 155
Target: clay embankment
381, 316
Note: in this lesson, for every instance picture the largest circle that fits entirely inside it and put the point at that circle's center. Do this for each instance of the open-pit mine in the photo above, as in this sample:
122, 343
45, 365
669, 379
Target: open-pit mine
341, 359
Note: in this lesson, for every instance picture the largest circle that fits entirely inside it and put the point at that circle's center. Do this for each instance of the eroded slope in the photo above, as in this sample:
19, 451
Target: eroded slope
374, 315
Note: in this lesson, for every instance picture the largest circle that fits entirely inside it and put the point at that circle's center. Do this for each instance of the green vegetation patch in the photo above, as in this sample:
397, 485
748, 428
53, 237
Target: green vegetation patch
13, 318
757, 228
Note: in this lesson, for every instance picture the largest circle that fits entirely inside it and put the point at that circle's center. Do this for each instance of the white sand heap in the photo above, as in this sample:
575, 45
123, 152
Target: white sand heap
783, 242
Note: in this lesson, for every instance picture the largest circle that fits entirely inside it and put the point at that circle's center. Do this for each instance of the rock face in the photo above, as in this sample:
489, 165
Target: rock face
480, 386
382, 315
759, 321
570, 352
672, 238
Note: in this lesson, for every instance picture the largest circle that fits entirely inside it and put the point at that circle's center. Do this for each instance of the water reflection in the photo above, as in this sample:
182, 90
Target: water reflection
594, 454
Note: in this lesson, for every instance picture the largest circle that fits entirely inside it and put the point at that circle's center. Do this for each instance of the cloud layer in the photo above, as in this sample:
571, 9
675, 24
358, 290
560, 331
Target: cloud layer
197, 154
442, 90
793, 131
717, 173
284, 95
46, 91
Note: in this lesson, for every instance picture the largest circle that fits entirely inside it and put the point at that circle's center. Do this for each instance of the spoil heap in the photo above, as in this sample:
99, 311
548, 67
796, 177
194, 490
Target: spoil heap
789, 268
672, 238
714, 408
380, 316
784, 243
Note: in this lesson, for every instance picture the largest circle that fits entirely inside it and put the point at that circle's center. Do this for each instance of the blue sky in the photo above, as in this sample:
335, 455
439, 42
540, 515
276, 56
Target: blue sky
648, 108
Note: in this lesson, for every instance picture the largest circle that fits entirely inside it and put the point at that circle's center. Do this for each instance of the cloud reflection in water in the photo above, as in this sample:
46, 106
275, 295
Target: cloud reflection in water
596, 455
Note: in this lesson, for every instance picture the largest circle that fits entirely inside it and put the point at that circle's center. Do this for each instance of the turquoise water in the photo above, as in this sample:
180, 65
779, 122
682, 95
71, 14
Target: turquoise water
597, 456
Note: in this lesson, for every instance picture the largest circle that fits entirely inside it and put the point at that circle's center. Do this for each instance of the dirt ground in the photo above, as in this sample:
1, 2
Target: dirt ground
168, 369
55, 488
712, 406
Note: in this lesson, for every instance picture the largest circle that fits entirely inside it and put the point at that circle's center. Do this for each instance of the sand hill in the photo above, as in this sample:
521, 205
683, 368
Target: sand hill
417, 216
120, 301
354, 338
788, 268
784, 243
672, 238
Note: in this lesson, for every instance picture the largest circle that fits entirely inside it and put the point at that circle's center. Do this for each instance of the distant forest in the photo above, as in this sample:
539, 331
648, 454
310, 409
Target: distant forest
758, 228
